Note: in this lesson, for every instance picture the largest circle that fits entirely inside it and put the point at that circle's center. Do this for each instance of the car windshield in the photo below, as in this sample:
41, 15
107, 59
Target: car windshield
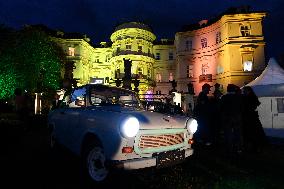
102, 95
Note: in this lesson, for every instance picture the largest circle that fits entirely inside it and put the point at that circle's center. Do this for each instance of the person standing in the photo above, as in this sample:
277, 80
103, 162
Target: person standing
254, 136
215, 103
231, 115
203, 115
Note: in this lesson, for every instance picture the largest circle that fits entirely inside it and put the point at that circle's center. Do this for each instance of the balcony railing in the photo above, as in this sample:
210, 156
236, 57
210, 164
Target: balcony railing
205, 78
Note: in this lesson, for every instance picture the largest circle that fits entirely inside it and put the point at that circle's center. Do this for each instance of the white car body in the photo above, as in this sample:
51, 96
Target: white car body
158, 133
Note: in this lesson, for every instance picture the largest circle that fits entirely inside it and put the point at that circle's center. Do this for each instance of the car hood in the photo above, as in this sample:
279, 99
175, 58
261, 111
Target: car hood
154, 120
149, 119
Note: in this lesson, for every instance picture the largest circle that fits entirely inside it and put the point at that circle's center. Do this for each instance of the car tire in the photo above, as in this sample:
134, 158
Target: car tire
94, 165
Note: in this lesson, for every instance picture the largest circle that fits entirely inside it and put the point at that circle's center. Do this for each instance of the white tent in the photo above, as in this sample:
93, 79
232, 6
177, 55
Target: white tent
269, 87
270, 82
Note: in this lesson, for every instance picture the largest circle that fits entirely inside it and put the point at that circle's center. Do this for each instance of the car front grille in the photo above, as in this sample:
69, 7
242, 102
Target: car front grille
157, 141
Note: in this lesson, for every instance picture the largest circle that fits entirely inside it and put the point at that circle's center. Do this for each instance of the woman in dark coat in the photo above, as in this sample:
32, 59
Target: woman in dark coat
254, 136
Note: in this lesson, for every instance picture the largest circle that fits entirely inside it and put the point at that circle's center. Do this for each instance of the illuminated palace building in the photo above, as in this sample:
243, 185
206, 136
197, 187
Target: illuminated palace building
228, 49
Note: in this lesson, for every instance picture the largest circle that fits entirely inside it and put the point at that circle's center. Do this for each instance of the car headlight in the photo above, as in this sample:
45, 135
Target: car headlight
191, 125
129, 127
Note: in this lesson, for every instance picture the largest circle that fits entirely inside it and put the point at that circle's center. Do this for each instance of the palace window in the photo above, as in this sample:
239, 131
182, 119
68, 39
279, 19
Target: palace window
158, 56
71, 51
158, 77
248, 66
218, 37
245, 30
188, 45
204, 42
204, 69
171, 77
139, 72
171, 55
139, 48
128, 47
189, 71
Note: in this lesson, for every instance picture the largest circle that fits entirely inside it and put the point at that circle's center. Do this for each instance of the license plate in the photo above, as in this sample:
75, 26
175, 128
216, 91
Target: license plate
169, 158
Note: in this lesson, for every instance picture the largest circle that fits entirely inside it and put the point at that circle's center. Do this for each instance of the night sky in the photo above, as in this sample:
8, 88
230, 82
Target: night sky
97, 18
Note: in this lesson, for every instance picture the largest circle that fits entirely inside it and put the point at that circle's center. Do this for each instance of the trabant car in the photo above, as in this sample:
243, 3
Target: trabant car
108, 127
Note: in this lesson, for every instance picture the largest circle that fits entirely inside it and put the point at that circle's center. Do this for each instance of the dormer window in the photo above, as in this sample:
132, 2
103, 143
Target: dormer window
245, 30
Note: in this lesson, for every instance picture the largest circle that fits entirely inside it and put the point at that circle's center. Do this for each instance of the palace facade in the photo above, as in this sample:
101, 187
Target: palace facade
229, 49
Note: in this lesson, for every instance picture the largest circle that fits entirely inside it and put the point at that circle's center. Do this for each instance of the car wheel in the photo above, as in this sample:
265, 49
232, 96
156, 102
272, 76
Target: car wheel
95, 164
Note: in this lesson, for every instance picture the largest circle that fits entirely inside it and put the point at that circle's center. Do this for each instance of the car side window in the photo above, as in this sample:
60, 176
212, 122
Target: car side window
76, 99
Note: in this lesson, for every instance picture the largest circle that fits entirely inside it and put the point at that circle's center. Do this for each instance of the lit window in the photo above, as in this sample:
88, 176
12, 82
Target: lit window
158, 77
171, 77
188, 45
218, 37
158, 56
189, 71
171, 55
245, 30
204, 68
248, 66
139, 72
204, 42
71, 51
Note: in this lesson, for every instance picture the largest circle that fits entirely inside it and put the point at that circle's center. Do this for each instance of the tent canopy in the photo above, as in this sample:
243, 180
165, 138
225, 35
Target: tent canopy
270, 82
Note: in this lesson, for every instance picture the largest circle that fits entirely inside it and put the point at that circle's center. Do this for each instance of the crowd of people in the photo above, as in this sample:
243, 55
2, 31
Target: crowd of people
230, 120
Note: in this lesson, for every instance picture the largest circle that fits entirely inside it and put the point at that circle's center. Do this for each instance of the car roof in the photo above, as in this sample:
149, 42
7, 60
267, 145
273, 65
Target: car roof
104, 86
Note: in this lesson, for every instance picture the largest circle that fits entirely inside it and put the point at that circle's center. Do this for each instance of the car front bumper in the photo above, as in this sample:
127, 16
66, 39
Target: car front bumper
140, 163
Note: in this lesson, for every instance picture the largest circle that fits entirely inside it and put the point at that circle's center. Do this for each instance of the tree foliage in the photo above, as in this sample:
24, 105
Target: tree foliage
32, 61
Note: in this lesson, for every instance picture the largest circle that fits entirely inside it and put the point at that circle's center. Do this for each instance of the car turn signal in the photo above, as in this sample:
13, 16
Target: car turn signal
127, 150
190, 141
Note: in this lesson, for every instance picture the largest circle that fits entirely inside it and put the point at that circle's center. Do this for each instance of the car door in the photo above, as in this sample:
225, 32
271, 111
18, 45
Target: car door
71, 116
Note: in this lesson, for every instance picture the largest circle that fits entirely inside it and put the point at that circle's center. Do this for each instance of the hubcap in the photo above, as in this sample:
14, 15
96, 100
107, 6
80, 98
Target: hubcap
96, 164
